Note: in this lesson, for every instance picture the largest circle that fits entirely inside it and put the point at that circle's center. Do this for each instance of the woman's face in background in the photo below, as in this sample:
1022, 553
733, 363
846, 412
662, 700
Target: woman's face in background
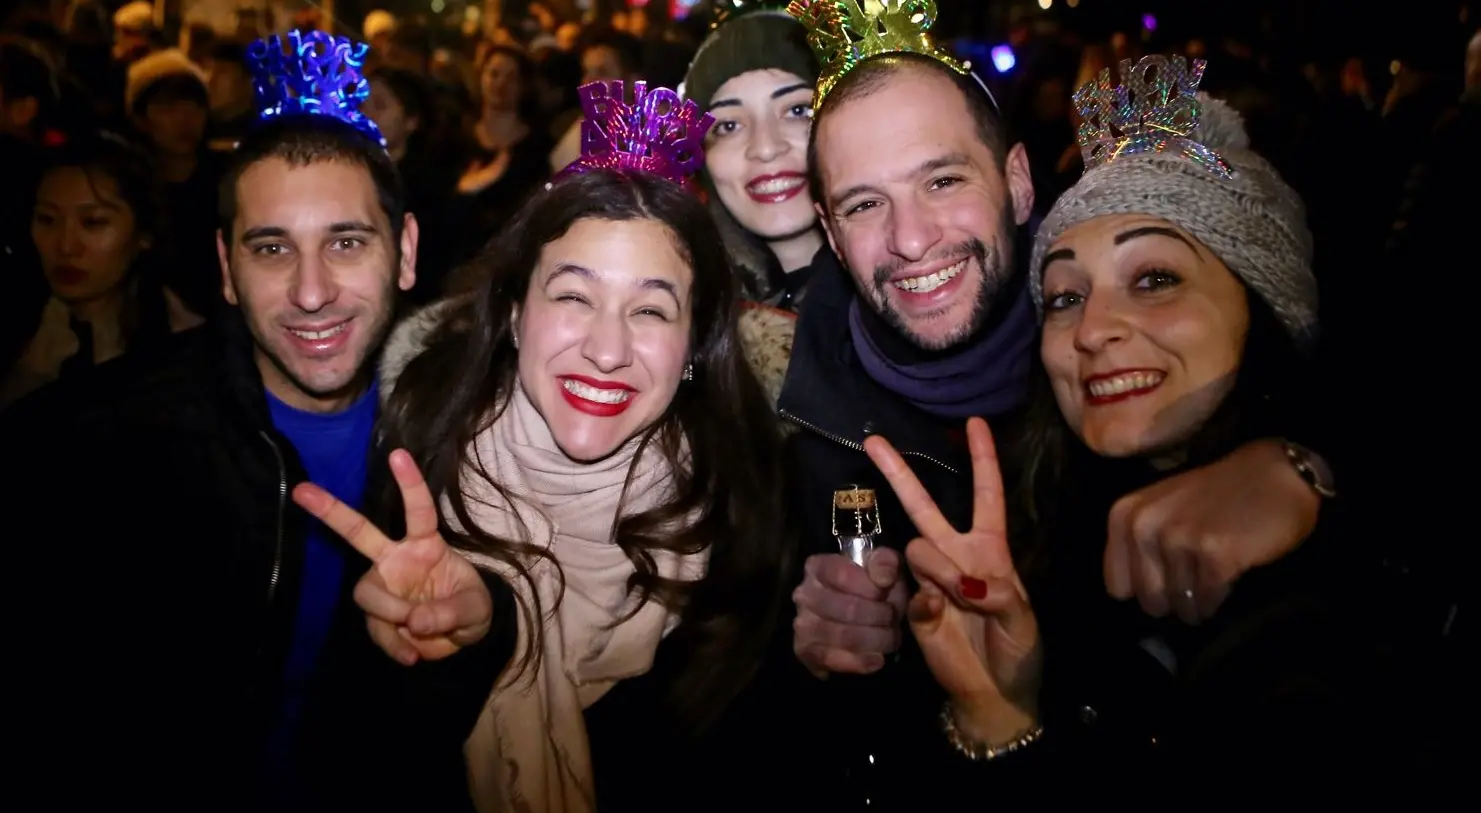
601, 63
1144, 333
85, 234
500, 83
756, 153
604, 333
385, 109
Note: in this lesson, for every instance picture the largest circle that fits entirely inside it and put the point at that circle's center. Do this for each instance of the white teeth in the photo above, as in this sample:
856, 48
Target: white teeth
1130, 382
775, 186
930, 282
315, 335
597, 394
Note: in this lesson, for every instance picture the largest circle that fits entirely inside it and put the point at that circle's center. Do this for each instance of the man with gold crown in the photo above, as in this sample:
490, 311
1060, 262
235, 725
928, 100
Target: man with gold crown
922, 321
209, 642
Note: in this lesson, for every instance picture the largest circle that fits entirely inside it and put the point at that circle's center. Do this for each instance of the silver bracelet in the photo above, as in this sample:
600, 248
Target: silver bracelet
979, 751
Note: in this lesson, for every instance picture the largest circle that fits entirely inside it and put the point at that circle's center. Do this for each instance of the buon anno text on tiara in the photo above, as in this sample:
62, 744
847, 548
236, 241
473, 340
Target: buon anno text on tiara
655, 130
1155, 109
312, 72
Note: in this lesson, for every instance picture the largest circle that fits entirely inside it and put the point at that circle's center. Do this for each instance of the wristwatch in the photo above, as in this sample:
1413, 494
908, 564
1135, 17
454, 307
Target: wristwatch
1312, 469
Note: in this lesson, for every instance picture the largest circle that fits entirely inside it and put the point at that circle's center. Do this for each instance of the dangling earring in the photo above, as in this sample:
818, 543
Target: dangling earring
688, 374
514, 339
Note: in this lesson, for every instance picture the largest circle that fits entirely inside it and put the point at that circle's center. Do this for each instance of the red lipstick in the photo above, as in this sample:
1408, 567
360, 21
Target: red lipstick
600, 409
776, 188
1121, 385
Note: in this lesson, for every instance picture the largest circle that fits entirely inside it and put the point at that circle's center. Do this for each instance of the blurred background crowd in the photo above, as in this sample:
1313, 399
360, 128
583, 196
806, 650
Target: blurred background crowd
1372, 118
478, 100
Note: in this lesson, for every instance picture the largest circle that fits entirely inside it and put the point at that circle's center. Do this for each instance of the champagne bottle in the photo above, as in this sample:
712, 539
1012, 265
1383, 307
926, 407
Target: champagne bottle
856, 524
856, 528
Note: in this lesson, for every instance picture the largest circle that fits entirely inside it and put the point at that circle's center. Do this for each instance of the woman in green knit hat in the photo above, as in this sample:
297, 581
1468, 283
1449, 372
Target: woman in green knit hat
755, 73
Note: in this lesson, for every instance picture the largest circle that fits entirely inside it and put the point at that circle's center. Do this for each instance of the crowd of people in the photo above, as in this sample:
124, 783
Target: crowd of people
460, 428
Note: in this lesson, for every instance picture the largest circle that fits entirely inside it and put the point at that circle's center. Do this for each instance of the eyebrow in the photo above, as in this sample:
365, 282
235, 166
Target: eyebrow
955, 159
775, 94
1057, 254
342, 227
1123, 237
264, 231
1149, 231
647, 284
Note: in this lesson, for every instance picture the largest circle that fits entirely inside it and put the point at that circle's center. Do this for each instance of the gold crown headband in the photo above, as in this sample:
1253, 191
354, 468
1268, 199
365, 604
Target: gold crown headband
1154, 109
843, 34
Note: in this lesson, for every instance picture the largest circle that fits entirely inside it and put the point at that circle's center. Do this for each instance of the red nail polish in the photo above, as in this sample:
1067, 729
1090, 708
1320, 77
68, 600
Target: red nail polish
975, 589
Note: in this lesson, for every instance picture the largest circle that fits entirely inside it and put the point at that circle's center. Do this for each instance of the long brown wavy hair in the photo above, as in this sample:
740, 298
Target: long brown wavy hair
460, 384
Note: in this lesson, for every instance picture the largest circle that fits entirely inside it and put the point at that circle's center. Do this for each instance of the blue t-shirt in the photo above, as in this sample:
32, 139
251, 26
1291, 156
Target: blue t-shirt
335, 450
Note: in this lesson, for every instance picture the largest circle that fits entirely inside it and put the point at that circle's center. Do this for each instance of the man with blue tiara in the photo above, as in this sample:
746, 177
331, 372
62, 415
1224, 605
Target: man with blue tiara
215, 635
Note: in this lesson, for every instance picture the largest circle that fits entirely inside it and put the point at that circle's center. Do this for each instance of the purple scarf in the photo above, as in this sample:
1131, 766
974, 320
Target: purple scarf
986, 378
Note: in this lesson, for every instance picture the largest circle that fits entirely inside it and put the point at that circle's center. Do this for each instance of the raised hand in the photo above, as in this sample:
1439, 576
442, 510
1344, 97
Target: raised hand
422, 599
972, 616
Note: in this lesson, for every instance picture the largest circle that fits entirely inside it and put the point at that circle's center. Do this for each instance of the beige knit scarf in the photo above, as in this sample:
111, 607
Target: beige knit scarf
528, 752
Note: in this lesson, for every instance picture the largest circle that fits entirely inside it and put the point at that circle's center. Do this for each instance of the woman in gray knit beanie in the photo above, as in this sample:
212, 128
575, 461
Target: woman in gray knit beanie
755, 73
1176, 254
1178, 308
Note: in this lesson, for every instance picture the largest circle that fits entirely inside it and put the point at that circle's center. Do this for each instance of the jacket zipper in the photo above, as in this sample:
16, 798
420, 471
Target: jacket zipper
858, 447
272, 582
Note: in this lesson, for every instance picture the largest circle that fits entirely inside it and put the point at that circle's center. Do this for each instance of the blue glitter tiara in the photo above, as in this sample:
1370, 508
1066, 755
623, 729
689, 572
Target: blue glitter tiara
311, 73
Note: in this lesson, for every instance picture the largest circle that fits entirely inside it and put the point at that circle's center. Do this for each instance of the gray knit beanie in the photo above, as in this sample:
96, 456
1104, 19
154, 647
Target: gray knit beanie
1251, 220
755, 41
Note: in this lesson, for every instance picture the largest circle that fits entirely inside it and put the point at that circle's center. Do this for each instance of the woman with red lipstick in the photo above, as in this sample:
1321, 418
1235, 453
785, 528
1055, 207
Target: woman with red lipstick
1179, 317
96, 225
755, 74
588, 417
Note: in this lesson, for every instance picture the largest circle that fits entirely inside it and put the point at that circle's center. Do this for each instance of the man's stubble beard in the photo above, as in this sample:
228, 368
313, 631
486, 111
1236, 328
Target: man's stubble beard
381, 325
995, 264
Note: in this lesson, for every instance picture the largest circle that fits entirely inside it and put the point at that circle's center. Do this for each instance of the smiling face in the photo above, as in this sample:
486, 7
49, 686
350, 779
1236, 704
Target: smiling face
918, 207
314, 269
1144, 332
604, 333
756, 154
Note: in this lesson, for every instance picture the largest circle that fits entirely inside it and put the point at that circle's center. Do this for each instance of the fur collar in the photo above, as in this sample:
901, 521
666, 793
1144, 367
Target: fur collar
407, 341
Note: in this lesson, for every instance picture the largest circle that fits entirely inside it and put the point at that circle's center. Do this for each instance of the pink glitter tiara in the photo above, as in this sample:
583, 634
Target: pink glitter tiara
657, 132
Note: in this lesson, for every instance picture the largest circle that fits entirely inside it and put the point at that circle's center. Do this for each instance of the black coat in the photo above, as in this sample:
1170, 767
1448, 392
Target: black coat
163, 557
872, 735
1281, 672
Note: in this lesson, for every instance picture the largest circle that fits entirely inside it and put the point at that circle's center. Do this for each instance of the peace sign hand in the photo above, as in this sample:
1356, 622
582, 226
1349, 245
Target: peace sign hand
422, 599
972, 616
